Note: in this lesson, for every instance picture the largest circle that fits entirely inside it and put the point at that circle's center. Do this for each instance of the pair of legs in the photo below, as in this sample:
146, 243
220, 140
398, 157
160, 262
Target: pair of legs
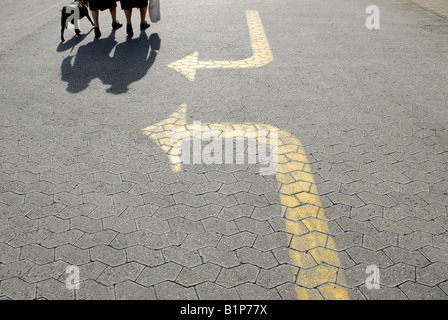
96, 20
143, 24
96, 15
128, 14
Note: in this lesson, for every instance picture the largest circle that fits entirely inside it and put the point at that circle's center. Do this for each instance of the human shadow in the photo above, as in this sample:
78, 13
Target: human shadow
91, 61
129, 64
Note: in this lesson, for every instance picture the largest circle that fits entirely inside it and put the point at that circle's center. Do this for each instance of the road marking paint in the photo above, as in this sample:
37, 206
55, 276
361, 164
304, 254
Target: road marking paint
311, 248
261, 53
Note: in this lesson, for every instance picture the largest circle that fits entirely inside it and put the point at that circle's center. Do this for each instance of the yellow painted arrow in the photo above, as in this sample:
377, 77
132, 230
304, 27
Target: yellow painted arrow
311, 248
261, 53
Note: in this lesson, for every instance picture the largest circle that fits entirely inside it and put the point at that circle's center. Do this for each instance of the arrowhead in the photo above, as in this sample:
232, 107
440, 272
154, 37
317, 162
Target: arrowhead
187, 66
168, 135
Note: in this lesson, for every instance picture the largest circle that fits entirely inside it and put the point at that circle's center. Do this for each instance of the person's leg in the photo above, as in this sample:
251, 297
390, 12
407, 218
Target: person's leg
96, 22
113, 14
128, 14
143, 24
95, 16
115, 23
143, 12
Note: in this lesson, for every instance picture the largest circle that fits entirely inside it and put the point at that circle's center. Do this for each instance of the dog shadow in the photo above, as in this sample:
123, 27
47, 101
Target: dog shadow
72, 42
129, 63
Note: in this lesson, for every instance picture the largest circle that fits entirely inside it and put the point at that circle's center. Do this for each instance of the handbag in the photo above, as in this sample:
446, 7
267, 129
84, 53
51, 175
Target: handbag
154, 10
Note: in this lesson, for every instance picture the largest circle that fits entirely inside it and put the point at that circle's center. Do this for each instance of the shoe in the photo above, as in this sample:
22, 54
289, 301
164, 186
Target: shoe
97, 32
116, 25
144, 26
129, 30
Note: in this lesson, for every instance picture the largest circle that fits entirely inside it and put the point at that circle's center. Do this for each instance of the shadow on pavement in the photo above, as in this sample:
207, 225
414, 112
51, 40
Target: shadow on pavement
73, 42
129, 64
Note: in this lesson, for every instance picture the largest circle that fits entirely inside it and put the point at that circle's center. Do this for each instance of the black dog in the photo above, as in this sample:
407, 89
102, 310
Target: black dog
77, 9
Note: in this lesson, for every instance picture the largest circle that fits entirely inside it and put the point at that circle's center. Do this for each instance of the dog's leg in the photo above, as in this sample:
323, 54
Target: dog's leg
85, 13
76, 24
63, 22
90, 19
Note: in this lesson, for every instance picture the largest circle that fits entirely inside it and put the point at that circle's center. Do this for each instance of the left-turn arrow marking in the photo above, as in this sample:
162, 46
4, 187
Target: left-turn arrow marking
261, 53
